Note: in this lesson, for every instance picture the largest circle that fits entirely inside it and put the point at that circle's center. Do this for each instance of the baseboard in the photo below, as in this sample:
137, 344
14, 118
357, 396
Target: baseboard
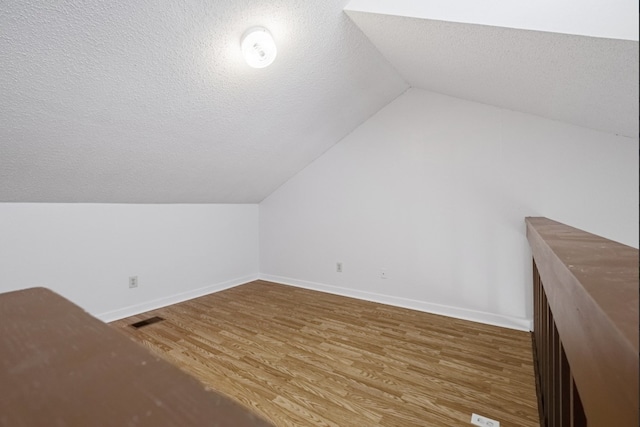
516, 323
132, 310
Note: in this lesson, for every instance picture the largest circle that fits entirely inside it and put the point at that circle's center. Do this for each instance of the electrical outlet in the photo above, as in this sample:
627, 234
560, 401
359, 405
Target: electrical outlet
339, 267
383, 273
479, 420
133, 282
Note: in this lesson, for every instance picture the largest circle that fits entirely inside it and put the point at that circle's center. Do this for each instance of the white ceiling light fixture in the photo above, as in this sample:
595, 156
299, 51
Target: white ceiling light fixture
258, 47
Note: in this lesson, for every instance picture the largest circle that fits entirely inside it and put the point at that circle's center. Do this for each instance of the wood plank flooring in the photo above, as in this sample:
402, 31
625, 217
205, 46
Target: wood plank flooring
306, 358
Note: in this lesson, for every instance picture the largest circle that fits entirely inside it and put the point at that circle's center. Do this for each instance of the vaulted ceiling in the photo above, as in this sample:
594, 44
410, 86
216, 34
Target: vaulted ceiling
586, 81
152, 102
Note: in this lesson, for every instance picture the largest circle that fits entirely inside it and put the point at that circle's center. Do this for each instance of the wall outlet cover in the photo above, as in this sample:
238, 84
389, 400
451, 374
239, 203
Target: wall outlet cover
479, 420
133, 282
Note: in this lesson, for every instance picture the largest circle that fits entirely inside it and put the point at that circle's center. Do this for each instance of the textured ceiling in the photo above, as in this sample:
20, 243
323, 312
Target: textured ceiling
611, 19
587, 81
151, 101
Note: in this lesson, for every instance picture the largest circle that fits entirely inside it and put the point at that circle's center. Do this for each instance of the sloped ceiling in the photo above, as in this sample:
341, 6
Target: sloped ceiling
151, 102
587, 81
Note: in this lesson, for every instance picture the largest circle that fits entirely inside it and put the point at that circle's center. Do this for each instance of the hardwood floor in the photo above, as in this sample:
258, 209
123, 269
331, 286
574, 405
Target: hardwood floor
305, 358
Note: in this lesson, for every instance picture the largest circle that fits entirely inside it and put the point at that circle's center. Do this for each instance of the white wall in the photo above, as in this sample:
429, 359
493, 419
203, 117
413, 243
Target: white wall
86, 252
435, 189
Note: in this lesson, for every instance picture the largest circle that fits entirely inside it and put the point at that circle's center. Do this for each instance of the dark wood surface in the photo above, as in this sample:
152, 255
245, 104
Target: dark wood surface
61, 367
591, 284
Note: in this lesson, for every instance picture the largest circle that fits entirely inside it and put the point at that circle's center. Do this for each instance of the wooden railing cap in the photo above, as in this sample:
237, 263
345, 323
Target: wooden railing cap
607, 270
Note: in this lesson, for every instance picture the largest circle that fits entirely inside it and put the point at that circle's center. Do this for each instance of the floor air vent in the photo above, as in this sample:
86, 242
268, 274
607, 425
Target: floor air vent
145, 322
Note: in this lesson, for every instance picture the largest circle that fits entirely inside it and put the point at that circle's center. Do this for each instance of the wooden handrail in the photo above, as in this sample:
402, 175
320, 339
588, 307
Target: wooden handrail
586, 325
60, 366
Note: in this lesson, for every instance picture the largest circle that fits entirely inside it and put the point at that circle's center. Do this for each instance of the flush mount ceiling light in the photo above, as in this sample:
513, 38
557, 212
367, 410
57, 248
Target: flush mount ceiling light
258, 47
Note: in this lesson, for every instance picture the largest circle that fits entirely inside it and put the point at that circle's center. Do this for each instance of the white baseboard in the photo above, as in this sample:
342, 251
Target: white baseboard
132, 310
521, 324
